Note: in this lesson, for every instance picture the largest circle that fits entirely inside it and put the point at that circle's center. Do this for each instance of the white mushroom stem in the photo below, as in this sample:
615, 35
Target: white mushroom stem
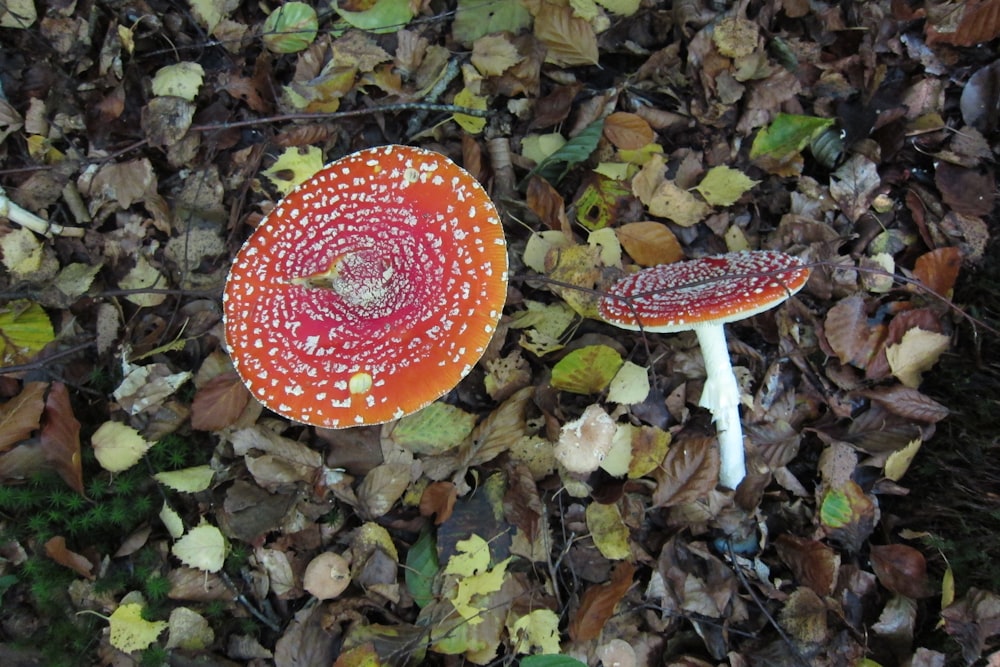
721, 397
25, 218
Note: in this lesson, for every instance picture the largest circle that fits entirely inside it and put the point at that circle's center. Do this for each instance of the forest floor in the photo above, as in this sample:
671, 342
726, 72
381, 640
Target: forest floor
152, 512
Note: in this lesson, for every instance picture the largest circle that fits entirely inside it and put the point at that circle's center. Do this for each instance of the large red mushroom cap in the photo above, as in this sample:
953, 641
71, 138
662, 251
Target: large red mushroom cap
369, 291
676, 297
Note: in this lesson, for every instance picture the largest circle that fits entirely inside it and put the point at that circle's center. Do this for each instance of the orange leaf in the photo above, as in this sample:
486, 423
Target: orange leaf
60, 437
628, 131
598, 604
938, 269
438, 498
219, 402
56, 549
21, 415
650, 243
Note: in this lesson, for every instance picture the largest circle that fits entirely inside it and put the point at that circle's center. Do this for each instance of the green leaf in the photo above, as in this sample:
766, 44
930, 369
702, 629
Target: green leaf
788, 134
474, 18
723, 186
290, 28
421, 568
573, 152
433, 430
383, 16
24, 330
587, 370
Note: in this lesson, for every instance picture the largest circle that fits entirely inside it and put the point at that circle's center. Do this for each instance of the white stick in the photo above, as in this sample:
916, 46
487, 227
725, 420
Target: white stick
25, 218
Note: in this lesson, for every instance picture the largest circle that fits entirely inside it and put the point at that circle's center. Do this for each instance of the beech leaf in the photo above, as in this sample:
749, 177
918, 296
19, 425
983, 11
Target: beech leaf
60, 437
598, 603
22, 415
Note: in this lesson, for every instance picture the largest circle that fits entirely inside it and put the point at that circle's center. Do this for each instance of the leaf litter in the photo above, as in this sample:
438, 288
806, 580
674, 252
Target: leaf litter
563, 498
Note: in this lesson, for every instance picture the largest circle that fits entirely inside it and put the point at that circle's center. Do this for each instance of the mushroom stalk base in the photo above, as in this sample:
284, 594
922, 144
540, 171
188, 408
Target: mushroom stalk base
721, 396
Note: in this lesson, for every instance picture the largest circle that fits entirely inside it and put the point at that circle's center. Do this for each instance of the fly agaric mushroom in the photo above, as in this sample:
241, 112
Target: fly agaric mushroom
369, 291
701, 296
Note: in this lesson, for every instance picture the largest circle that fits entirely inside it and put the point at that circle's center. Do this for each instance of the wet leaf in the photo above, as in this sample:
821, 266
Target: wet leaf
938, 269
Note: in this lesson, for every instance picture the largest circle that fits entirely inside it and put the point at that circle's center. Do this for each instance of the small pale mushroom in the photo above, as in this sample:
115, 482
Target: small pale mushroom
701, 295
369, 291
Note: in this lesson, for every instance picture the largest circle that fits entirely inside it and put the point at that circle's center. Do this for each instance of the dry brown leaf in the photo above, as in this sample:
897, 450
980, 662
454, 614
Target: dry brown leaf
22, 414
60, 437
650, 243
382, 487
628, 131
689, 471
907, 402
570, 40
219, 402
598, 604
852, 338
901, 568
56, 549
979, 23
814, 564
938, 269
438, 498
547, 204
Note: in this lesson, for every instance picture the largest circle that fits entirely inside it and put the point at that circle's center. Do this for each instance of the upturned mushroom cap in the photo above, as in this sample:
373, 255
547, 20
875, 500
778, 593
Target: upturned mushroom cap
369, 291
678, 297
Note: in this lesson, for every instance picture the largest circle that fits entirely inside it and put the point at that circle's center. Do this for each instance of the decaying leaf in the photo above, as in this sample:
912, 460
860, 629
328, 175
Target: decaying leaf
598, 604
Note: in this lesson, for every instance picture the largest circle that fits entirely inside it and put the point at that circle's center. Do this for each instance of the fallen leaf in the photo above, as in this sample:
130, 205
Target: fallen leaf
689, 471
55, 548
723, 186
587, 370
118, 447
938, 269
570, 40
628, 131
598, 603
917, 352
608, 529
219, 402
901, 568
22, 415
25, 329
203, 547
650, 243
130, 631
60, 437
189, 630
187, 480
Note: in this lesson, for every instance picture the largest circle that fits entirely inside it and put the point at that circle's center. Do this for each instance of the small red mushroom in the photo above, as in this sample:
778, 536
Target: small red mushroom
369, 291
701, 295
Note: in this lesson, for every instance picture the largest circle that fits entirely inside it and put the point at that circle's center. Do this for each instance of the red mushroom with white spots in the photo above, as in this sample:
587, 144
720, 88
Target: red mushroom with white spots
701, 296
369, 291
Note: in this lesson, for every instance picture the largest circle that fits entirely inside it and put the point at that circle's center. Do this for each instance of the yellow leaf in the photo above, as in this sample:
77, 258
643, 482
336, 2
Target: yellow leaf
537, 147
899, 462
187, 480
130, 631
471, 124
472, 557
208, 12
179, 80
608, 530
117, 446
171, 520
723, 186
630, 385
143, 276
204, 548
294, 166
22, 252
493, 54
621, 7
538, 629
917, 352
25, 329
